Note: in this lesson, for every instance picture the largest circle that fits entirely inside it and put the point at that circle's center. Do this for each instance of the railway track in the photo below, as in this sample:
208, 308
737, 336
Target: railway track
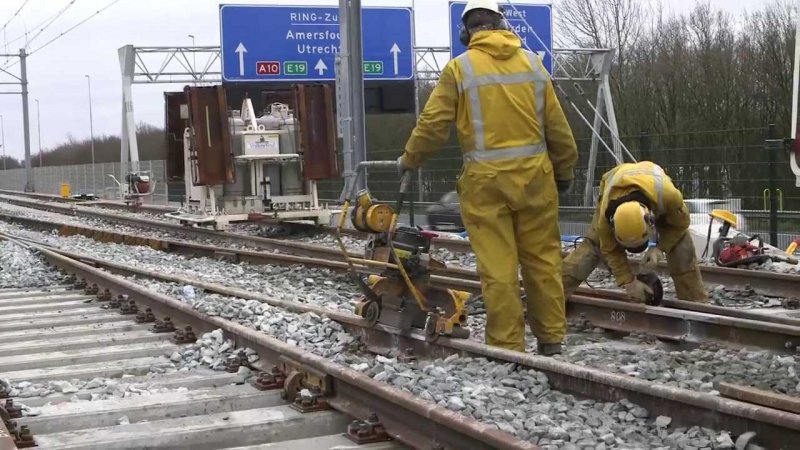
81, 346
63, 340
410, 420
680, 322
769, 283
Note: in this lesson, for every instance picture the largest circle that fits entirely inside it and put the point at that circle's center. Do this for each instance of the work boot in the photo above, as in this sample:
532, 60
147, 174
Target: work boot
548, 349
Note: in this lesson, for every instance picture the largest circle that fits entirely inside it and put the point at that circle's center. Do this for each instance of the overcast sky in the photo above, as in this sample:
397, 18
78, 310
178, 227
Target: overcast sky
57, 72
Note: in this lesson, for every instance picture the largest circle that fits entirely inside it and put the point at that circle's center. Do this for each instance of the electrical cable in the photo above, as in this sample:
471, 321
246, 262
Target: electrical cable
50, 22
25, 2
63, 33
114, 2
43, 25
3, 29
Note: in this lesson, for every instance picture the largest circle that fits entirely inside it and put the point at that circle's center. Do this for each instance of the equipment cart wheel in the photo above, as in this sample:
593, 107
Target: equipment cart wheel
431, 335
372, 312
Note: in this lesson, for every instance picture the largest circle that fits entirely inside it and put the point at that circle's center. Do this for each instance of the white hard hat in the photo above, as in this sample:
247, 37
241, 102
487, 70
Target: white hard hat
491, 5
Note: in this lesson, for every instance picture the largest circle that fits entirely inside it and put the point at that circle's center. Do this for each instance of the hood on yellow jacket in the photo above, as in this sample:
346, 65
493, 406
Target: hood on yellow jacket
500, 44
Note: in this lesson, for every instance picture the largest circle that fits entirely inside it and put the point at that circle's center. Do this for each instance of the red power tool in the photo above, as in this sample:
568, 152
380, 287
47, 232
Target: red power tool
738, 251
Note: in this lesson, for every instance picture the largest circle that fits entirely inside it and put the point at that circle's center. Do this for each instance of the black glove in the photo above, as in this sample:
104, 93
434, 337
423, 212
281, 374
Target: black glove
563, 186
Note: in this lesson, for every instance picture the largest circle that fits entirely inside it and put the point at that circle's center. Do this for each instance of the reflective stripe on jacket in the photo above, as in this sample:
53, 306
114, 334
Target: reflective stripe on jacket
504, 106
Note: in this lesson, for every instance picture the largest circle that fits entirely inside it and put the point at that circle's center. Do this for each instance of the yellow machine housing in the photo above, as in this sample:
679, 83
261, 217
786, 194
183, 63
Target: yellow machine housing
370, 216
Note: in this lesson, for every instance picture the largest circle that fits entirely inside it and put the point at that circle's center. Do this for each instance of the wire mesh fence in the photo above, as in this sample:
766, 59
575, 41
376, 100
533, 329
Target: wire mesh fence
86, 179
721, 169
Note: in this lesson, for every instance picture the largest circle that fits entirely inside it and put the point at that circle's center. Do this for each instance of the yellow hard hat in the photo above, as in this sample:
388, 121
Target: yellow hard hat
633, 225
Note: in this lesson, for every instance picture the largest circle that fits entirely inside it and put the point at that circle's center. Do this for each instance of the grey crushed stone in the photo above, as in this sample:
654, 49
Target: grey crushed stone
22, 268
511, 398
697, 369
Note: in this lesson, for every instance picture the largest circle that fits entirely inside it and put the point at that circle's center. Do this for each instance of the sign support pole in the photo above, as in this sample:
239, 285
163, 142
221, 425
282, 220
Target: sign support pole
344, 104
352, 18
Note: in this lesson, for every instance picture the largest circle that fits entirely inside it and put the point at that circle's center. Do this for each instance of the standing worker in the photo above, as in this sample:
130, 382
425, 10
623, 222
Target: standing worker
637, 203
518, 153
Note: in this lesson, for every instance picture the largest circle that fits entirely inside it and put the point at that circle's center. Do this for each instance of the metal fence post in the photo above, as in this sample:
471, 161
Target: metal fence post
773, 146
644, 146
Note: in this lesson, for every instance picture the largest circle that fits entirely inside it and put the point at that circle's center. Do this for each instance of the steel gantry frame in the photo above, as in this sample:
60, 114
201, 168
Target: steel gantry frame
570, 65
159, 65
149, 65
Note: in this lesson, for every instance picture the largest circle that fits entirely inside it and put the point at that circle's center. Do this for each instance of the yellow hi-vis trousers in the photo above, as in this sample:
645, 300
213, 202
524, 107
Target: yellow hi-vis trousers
512, 221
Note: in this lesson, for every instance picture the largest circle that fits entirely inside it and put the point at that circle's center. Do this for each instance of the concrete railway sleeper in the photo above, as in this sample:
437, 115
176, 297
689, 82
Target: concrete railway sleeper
770, 283
353, 387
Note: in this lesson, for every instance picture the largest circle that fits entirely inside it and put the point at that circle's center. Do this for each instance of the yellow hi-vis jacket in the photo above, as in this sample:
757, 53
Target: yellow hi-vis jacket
665, 201
505, 109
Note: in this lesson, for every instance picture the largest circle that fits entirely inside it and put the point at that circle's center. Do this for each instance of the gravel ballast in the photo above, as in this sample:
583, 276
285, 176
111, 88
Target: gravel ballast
21, 268
511, 398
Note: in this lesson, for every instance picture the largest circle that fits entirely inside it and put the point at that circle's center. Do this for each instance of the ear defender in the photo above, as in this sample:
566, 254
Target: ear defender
504, 25
463, 36
502, 21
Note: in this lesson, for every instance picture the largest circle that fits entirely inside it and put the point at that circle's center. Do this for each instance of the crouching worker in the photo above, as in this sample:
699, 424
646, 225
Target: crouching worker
638, 203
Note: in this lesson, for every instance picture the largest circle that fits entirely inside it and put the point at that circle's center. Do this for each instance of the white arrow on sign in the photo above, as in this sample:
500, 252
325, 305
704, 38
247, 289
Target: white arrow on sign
395, 50
321, 67
241, 51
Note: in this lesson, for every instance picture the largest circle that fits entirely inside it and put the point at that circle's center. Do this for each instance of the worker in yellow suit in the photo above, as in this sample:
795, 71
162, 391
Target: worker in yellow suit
638, 203
518, 153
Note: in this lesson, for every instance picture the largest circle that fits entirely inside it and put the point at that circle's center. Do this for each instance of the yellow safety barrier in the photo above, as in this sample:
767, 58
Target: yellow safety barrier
767, 195
792, 247
65, 192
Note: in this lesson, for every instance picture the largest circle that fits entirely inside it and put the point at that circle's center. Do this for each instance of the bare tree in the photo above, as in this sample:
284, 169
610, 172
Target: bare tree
602, 23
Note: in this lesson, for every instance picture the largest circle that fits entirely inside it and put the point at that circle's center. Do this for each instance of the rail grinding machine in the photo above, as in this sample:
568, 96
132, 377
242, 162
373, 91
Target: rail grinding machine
401, 295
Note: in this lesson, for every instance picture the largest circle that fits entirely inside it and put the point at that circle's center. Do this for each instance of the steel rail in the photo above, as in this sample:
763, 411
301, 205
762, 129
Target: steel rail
769, 283
409, 418
677, 321
295, 248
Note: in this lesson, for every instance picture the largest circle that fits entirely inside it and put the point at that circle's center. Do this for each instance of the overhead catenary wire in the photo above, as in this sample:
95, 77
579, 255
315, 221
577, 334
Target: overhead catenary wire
5, 25
574, 106
96, 13
43, 25
68, 30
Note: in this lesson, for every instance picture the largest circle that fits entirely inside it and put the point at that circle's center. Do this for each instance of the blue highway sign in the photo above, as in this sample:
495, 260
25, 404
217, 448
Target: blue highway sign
539, 17
300, 43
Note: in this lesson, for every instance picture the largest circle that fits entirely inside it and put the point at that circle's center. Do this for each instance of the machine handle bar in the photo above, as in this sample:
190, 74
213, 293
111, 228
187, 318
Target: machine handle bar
377, 164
